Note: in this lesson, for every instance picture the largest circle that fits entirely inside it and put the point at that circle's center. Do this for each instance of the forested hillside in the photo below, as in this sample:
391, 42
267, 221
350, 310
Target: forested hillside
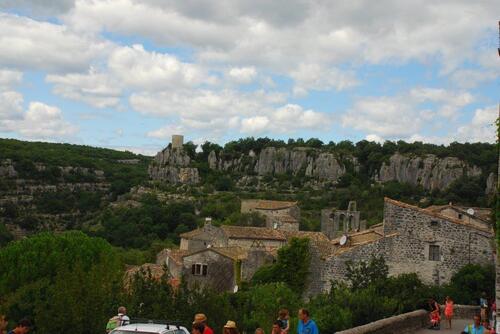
107, 193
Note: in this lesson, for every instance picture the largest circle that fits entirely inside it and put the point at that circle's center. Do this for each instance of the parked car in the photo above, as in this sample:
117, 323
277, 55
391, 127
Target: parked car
150, 328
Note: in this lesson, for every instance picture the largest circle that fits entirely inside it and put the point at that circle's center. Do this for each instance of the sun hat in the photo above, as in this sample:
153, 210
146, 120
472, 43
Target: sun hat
230, 324
200, 317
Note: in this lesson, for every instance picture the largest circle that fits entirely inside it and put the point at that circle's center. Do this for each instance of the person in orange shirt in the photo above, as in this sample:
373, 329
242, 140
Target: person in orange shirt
448, 310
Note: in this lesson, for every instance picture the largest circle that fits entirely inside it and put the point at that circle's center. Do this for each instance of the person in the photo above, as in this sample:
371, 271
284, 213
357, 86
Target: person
4, 323
483, 303
306, 324
259, 331
276, 327
23, 327
197, 328
118, 320
284, 318
448, 310
435, 315
476, 327
202, 319
230, 328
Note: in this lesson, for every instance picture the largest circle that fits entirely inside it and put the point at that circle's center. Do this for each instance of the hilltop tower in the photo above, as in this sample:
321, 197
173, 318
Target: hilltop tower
177, 141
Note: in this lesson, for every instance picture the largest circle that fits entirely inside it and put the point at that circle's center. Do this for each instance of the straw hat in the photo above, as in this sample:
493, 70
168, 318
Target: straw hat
200, 317
230, 324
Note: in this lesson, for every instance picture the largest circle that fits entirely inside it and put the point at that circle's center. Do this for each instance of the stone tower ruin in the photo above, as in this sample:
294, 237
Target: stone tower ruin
177, 141
335, 223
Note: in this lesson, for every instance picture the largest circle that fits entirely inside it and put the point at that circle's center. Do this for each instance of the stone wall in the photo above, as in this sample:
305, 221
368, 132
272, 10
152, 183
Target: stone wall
408, 322
220, 271
399, 324
459, 244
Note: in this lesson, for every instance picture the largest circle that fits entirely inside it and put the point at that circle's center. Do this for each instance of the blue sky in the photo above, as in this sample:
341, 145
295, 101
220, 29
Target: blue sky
128, 74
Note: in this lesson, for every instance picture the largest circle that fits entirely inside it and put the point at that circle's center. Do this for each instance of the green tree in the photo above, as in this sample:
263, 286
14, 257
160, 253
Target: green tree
291, 267
361, 274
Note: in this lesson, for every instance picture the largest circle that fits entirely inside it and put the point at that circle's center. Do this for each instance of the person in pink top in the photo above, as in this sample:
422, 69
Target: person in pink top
448, 310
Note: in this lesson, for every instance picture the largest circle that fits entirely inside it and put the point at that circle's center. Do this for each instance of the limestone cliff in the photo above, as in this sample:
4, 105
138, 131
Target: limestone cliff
429, 171
172, 165
324, 166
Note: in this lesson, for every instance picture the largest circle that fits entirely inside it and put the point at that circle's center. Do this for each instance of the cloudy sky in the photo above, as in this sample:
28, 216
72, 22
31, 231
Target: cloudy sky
129, 73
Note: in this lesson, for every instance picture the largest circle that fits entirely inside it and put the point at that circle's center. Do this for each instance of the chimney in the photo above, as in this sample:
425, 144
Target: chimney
208, 221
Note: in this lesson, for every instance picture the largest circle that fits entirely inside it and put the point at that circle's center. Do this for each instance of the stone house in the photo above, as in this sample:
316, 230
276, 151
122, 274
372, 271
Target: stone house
412, 240
281, 215
478, 216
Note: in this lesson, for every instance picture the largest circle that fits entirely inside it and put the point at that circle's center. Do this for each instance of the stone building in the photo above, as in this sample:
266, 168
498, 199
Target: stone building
335, 223
411, 240
281, 215
470, 215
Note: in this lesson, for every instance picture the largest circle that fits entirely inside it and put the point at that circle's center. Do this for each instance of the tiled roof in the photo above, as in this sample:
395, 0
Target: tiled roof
274, 205
233, 252
480, 213
285, 218
313, 236
436, 215
244, 232
361, 240
192, 234
177, 254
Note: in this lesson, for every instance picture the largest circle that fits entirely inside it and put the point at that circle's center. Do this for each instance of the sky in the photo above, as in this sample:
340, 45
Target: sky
127, 74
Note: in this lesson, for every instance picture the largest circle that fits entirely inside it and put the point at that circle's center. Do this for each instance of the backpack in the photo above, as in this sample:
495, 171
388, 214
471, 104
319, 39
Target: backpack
113, 323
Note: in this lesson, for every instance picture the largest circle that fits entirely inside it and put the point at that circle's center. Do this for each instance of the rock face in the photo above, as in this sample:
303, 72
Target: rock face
491, 184
430, 171
7, 168
172, 165
324, 166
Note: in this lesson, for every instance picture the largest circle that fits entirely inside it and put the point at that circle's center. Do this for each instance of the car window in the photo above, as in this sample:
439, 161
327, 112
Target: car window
128, 332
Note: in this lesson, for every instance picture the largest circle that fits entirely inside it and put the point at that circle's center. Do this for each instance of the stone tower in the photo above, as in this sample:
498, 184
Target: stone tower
177, 141
335, 223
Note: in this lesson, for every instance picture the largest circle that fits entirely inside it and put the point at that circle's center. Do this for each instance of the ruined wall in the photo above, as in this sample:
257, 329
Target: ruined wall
255, 259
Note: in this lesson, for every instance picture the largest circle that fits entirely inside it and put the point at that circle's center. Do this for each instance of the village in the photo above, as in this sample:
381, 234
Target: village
434, 242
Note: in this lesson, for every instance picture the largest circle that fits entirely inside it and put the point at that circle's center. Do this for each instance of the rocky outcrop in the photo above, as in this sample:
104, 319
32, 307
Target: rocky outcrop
172, 165
429, 171
491, 184
324, 166
7, 168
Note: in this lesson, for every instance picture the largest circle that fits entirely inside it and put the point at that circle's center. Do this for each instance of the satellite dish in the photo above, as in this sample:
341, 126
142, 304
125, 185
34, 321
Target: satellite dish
343, 240
209, 245
235, 289
471, 211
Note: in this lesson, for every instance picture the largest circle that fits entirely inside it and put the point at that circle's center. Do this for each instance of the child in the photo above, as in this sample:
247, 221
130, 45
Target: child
448, 310
435, 320
284, 317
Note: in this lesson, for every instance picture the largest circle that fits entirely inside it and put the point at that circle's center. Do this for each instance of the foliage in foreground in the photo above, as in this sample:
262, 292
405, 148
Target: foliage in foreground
70, 282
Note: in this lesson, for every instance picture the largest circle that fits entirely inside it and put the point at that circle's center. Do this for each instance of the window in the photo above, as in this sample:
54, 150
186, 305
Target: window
434, 223
434, 253
199, 269
460, 216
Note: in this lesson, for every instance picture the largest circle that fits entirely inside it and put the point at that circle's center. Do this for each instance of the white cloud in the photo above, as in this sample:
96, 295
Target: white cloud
314, 77
39, 121
99, 90
11, 108
257, 124
242, 75
9, 78
166, 131
404, 115
482, 127
136, 67
451, 101
30, 44
375, 138
466, 78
